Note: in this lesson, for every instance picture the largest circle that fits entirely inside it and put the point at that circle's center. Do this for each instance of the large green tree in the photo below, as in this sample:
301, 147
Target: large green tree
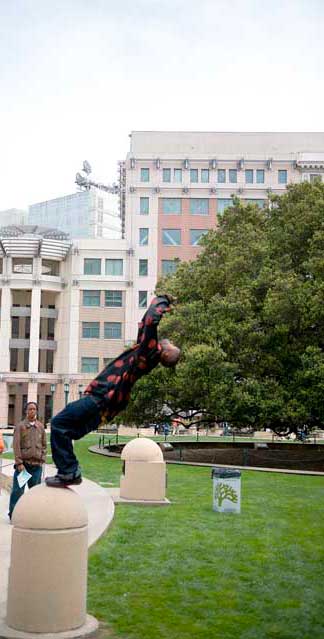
249, 320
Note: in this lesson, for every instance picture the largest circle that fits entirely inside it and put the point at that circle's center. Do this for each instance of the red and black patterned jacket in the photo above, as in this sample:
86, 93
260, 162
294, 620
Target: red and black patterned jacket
113, 385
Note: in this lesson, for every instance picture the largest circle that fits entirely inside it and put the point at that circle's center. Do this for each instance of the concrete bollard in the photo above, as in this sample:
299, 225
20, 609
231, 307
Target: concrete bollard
144, 476
48, 572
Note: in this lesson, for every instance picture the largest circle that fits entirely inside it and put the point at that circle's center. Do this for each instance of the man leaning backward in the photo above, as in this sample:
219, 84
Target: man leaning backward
109, 393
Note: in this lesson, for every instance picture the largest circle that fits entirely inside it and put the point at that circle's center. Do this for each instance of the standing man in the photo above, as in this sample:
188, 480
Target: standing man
29, 444
109, 393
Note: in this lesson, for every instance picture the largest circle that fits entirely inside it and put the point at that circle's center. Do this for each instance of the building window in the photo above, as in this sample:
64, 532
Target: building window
199, 206
249, 176
49, 364
91, 266
223, 203
27, 328
114, 267
260, 176
169, 266
195, 235
143, 267
166, 175
282, 176
89, 364
26, 360
144, 205
112, 330
194, 176
142, 299
114, 298
232, 174
50, 328
15, 327
171, 205
171, 237
90, 330
177, 175
315, 177
100, 203
24, 405
143, 237
22, 265
91, 298
145, 175
50, 267
205, 175
221, 176
13, 359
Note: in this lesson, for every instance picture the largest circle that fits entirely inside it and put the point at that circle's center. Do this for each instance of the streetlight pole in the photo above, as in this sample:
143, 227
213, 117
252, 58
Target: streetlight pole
53, 387
66, 392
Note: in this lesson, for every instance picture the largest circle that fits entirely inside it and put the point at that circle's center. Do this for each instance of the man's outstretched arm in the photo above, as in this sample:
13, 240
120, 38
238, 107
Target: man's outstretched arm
147, 329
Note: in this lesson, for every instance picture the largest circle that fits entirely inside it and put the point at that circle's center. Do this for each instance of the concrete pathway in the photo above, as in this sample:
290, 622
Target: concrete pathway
96, 499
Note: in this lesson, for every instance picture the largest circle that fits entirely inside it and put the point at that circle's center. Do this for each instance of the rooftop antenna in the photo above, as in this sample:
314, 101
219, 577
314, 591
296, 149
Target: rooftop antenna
86, 167
84, 182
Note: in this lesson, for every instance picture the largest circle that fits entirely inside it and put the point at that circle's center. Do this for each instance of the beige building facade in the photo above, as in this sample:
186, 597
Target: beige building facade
63, 316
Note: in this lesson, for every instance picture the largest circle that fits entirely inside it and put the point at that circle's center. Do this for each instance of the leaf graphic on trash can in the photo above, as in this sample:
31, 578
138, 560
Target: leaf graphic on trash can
224, 491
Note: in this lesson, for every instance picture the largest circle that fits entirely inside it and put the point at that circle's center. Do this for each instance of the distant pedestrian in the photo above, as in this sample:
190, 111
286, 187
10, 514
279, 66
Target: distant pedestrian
29, 444
2, 446
175, 427
166, 428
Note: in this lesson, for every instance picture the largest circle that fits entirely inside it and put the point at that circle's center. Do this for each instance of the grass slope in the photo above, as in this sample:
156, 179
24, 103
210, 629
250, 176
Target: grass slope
184, 571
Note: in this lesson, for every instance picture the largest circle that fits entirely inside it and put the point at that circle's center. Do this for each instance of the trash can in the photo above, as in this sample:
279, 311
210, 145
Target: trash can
226, 490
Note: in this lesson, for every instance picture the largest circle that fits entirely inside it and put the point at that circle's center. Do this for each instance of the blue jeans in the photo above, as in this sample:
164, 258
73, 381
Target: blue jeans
17, 492
73, 422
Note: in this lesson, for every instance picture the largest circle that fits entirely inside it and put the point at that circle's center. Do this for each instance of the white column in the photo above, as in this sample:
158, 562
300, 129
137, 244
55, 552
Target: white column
5, 329
74, 331
34, 329
131, 320
3, 403
32, 392
37, 267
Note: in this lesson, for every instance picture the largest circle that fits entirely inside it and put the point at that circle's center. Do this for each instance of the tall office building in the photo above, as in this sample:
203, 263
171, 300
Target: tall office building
91, 213
178, 183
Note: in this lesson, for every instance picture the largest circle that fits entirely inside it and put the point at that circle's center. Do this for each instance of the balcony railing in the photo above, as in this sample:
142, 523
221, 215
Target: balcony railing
47, 345
19, 343
20, 311
49, 313
25, 311
44, 344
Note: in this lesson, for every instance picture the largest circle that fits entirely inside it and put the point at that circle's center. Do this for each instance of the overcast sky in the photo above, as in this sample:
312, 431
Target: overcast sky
77, 76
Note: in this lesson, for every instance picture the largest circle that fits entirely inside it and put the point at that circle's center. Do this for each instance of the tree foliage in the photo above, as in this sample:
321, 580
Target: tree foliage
249, 320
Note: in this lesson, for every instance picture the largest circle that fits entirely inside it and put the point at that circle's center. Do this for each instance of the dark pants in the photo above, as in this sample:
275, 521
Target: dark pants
17, 492
73, 422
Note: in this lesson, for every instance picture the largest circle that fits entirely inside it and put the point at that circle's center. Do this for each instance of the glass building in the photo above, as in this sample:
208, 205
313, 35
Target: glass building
84, 214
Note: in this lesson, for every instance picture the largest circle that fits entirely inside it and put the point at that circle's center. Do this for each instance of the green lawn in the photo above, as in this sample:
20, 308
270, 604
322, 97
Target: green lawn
183, 571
